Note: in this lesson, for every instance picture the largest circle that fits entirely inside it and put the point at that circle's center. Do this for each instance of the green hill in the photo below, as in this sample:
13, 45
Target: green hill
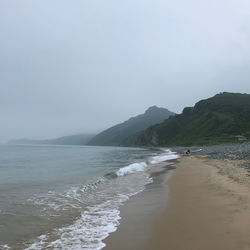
121, 134
215, 120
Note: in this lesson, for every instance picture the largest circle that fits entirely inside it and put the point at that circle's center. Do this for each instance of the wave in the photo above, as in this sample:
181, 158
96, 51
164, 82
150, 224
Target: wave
4, 247
132, 168
167, 156
73, 198
141, 166
98, 205
87, 232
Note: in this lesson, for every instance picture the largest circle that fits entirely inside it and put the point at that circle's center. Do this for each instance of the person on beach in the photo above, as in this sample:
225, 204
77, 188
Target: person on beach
187, 152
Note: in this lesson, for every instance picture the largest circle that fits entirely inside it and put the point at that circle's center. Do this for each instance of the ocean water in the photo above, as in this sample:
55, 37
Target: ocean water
68, 197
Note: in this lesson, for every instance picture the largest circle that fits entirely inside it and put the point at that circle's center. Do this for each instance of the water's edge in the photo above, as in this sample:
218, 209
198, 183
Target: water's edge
84, 215
139, 212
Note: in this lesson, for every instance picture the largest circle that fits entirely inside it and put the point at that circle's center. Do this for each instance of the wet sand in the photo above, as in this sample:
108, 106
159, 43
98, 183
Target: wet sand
138, 214
204, 205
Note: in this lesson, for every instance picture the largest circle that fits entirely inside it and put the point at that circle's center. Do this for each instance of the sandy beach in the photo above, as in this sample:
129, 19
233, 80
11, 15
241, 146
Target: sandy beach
204, 205
139, 213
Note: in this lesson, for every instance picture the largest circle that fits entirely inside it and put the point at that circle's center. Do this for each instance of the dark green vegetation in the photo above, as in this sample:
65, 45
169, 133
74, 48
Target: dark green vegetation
121, 134
80, 139
212, 121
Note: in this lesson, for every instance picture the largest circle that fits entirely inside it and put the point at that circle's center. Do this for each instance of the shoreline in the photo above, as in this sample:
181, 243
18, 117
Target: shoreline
138, 213
204, 205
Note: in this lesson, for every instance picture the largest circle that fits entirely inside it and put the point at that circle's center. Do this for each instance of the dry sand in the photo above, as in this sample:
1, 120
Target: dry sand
205, 205
208, 208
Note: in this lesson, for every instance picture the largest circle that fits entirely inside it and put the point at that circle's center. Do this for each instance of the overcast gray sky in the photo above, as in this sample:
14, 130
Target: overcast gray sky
84, 65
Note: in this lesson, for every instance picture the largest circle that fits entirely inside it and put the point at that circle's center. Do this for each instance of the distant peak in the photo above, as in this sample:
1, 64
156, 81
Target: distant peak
152, 109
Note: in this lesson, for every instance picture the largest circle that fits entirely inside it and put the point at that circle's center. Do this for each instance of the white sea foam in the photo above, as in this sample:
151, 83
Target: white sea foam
132, 168
72, 198
4, 247
95, 224
97, 221
166, 156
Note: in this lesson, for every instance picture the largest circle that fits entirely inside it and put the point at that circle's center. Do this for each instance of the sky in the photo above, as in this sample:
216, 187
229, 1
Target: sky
81, 66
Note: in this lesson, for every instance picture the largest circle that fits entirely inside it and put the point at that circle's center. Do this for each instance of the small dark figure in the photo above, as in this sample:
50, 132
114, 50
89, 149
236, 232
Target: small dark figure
187, 152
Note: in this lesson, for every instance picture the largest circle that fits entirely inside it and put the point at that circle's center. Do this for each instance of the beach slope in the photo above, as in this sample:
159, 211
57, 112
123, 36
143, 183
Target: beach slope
206, 208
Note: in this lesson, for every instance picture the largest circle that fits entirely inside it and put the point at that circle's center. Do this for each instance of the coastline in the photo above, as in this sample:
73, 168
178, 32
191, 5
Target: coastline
138, 213
204, 205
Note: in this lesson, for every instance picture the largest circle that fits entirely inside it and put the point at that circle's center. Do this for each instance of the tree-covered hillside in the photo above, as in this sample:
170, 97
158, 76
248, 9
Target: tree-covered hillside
215, 120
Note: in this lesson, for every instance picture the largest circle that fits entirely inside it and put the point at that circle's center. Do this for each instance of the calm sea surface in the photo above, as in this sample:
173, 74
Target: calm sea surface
67, 197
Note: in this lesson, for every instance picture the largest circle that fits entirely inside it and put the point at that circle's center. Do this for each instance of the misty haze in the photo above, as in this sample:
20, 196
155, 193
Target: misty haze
125, 125
70, 68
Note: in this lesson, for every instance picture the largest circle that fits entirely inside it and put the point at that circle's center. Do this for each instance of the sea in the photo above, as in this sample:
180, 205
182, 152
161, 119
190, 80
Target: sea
68, 197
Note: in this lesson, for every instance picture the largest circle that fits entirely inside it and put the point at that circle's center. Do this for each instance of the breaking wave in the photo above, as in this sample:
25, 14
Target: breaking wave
97, 205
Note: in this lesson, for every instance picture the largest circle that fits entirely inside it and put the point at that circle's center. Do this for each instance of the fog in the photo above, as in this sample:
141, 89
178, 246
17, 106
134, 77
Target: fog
81, 66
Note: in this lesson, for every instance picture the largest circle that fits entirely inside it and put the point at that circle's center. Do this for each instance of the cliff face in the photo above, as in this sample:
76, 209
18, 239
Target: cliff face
123, 133
214, 120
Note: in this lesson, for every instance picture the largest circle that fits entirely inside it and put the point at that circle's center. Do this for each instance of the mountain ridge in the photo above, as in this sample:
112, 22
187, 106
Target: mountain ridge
219, 119
120, 134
